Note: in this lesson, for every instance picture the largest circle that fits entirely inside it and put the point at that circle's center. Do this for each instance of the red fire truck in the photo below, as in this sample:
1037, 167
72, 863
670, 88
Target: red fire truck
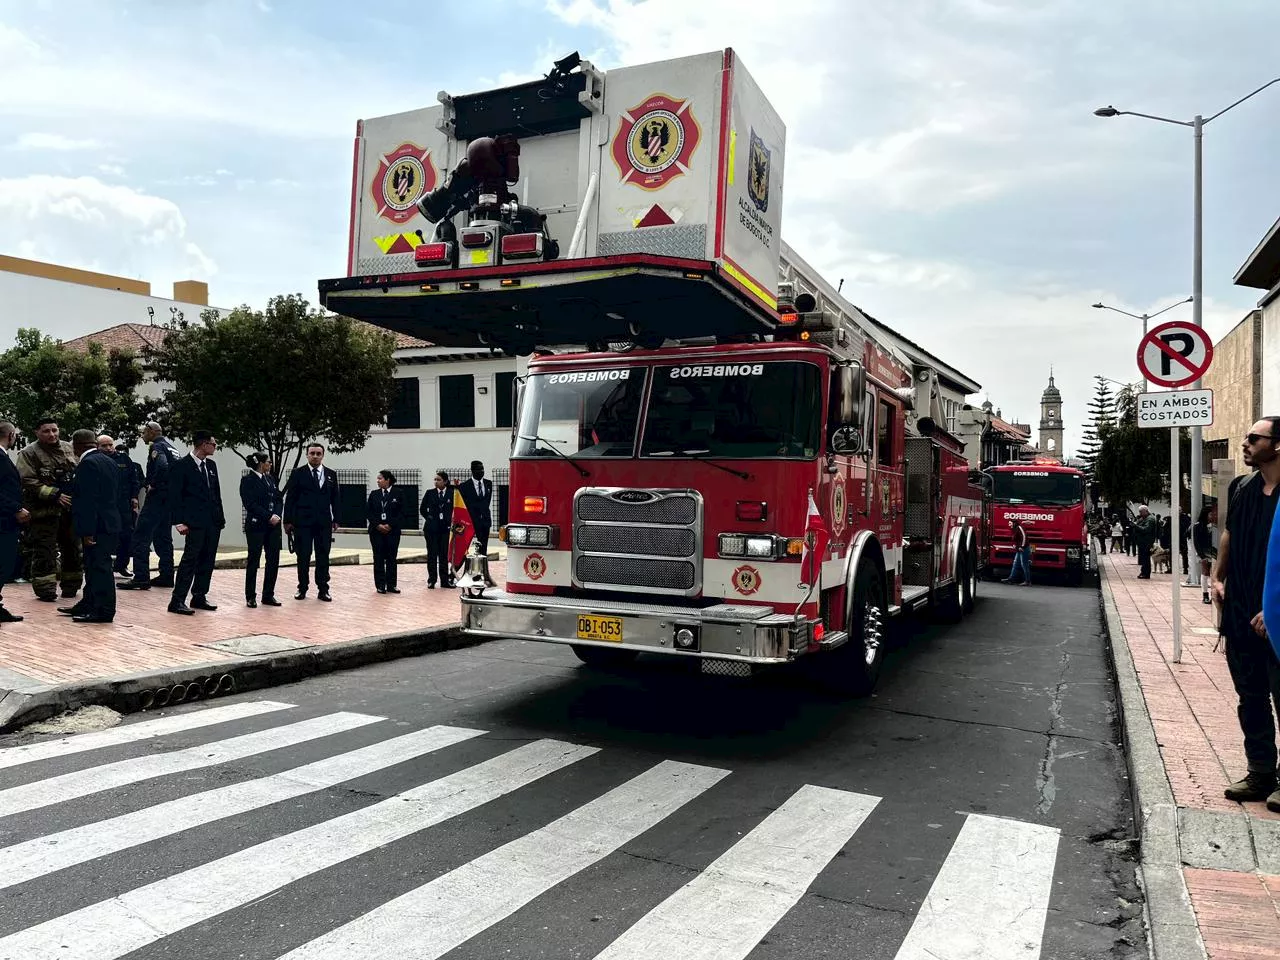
714, 456
1048, 498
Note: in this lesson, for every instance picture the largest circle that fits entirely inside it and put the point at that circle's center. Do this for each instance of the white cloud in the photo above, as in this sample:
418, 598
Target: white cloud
81, 221
54, 141
111, 169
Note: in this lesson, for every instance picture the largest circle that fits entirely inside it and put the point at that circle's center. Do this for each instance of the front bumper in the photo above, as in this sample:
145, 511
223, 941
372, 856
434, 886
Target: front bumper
1043, 556
725, 631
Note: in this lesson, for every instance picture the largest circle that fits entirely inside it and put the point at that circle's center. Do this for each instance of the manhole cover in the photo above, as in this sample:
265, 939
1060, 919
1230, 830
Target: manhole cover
256, 645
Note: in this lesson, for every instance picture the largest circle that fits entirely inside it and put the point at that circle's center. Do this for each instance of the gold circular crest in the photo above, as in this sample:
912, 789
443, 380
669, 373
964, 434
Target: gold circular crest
403, 183
746, 580
656, 141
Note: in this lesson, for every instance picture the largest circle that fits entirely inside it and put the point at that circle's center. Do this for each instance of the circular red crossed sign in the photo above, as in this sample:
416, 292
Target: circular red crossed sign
1175, 354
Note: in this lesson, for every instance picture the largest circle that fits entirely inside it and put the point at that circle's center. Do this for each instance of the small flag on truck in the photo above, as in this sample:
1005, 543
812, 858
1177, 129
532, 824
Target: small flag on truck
816, 538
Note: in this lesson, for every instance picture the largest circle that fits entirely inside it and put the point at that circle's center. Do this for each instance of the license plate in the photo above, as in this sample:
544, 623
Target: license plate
591, 627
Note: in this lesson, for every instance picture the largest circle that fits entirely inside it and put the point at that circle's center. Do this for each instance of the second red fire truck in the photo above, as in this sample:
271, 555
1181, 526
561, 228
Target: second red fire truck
715, 455
1047, 498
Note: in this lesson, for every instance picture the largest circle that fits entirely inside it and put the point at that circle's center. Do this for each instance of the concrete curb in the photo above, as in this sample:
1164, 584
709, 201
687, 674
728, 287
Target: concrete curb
130, 693
1172, 931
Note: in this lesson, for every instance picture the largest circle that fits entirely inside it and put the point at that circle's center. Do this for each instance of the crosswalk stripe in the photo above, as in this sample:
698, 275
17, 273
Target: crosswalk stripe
112, 928
431, 920
82, 783
130, 732
990, 898
57, 851
724, 912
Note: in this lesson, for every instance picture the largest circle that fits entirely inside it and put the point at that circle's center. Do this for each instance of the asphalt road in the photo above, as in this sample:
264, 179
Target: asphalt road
505, 801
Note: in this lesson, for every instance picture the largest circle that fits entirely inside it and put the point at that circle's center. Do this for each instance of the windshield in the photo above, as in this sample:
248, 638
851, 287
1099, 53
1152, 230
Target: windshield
1038, 487
585, 413
734, 411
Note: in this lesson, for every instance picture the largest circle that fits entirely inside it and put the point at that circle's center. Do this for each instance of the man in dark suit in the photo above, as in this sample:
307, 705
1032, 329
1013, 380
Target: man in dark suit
95, 518
476, 494
263, 509
12, 513
130, 482
311, 515
385, 512
153, 525
195, 498
437, 516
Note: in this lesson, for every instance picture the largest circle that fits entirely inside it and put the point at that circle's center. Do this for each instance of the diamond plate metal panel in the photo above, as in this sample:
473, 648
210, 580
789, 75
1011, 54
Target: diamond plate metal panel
725, 668
688, 241
391, 263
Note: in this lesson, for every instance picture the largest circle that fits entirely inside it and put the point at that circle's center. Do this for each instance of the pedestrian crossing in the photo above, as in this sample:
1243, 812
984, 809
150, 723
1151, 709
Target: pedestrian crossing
989, 897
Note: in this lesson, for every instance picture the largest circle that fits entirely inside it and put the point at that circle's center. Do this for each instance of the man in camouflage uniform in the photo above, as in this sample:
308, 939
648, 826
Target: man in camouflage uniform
46, 467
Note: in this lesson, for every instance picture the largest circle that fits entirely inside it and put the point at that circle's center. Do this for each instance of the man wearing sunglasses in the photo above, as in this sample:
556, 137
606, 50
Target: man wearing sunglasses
1237, 581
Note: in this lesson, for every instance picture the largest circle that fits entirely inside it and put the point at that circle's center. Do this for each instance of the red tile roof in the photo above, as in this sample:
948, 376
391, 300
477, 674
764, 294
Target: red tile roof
136, 337
1009, 430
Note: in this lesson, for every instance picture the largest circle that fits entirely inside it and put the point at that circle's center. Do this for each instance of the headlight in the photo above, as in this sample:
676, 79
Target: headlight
522, 535
756, 546
1073, 553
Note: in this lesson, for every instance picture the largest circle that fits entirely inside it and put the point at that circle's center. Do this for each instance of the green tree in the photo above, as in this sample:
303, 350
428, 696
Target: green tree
1133, 462
1102, 415
276, 379
94, 390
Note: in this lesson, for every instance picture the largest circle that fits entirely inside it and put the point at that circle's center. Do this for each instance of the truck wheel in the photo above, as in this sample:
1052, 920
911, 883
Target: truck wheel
603, 656
951, 606
970, 596
853, 669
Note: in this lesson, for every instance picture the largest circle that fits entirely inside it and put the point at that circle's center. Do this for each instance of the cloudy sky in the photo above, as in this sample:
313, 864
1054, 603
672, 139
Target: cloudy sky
943, 159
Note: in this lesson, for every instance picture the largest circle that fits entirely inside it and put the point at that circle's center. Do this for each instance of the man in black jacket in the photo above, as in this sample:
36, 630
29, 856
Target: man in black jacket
437, 516
311, 515
12, 513
476, 494
385, 512
153, 526
129, 482
263, 509
95, 518
195, 498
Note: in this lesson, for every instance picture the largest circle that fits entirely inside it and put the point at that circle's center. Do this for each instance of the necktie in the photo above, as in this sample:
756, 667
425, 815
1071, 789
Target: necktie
316, 472
204, 469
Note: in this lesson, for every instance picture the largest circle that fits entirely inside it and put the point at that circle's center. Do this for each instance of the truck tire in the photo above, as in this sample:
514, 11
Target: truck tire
969, 596
604, 657
853, 669
950, 606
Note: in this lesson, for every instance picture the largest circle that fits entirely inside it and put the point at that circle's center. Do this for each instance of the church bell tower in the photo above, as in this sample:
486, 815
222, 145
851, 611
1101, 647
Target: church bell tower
1051, 428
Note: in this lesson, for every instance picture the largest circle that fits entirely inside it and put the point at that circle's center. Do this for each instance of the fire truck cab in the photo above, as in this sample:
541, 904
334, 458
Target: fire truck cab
1047, 498
715, 457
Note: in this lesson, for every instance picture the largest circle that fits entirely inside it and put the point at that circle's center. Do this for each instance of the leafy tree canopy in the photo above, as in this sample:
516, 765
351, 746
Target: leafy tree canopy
93, 390
276, 379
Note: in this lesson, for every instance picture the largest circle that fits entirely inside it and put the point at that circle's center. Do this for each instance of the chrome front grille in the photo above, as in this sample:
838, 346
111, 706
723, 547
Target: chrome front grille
680, 507
638, 540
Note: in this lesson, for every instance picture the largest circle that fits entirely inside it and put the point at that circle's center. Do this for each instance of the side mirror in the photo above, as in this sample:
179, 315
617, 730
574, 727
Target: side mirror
846, 440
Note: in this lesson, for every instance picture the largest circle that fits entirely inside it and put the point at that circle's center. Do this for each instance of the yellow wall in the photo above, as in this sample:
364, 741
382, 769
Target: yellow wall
51, 271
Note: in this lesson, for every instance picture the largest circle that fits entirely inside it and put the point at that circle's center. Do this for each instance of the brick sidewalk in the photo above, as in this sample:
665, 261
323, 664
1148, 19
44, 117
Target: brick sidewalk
48, 648
1193, 710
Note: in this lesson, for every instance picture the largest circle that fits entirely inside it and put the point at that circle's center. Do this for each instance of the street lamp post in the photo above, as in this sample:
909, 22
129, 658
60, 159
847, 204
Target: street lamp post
1197, 125
1144, 317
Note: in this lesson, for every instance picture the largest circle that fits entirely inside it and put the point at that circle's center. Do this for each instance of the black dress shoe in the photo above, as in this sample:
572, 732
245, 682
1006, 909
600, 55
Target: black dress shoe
203, 604
300, 595
7, 617
134, 585
380, 590
181, 608
324, 595
270, 602
392, 590
251, 603
163, 582
44, 599
74, 610
91, 618
431, 584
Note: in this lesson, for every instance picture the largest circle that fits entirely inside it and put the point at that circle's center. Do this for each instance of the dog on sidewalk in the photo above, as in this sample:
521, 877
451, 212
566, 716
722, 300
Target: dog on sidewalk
1161, 560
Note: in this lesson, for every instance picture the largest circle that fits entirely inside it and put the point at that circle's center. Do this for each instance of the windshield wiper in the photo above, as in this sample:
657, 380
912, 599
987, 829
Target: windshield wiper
700, 455
563, 456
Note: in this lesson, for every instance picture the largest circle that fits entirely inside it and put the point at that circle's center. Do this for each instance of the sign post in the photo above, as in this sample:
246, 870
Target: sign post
1173, 355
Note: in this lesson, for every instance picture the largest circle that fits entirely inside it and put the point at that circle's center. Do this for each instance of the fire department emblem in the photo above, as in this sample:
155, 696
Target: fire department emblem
655, 142
838, 507
403, 176
746, 580
535, 566
885, 500
758, 173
